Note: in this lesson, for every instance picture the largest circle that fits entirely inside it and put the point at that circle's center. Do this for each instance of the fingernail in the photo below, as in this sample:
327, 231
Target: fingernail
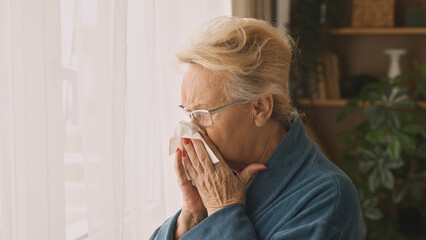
264, 168
183, 154
186, 140
177, 149
201, 134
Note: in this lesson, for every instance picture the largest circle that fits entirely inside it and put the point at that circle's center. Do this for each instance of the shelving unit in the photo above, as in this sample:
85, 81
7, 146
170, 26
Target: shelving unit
323, 102
360, 51
380, 31
336, 102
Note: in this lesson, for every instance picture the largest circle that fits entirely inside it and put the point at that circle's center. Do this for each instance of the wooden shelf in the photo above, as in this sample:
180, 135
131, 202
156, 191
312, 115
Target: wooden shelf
323, 102
380, 31
335, 102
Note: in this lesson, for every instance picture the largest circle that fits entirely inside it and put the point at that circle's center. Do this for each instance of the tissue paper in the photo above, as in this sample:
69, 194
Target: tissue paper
188, 130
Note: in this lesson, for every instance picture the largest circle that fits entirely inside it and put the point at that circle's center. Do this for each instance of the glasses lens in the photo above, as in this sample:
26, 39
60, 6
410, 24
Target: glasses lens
203, 117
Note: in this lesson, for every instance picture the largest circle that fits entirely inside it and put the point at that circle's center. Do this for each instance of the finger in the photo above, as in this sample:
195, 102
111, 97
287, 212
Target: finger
188, 166
203, 156
180, 169
250, 172
194, 158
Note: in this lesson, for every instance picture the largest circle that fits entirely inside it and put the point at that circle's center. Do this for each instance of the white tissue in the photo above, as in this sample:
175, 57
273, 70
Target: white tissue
188, 130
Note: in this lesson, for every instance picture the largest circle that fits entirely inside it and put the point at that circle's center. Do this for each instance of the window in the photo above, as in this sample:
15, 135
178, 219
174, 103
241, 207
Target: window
76, 224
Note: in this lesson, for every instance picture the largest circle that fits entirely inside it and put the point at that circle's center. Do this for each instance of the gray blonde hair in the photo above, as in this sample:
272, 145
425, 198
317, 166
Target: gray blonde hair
252, 55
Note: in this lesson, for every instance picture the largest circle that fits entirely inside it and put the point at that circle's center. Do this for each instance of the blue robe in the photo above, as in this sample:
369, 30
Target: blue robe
302, 195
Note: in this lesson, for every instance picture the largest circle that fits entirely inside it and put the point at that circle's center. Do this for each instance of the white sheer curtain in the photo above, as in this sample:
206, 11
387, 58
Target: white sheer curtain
129, 92
129, 89
31, 121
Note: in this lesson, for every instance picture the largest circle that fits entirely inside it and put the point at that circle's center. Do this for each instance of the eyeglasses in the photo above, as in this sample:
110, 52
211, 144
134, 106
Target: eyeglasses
204, 117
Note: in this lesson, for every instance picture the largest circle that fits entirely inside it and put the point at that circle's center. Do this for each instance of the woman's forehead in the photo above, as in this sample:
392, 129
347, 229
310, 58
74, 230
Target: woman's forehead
201, 88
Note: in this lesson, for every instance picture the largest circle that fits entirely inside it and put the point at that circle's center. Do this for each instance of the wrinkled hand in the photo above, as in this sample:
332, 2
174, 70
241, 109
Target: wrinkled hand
193, 210
192, 202
217, 185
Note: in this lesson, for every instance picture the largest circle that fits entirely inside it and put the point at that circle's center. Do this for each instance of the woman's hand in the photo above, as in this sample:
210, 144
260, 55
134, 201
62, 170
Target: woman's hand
193, 210
192, 202
216, 183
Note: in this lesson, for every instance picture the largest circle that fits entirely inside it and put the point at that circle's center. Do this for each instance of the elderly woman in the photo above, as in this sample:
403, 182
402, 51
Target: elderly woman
271, 181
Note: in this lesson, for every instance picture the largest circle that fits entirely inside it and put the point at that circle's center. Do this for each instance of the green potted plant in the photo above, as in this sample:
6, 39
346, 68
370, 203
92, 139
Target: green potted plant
385, 155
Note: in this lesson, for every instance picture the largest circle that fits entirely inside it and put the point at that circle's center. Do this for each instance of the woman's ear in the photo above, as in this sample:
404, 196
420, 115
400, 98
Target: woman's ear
262, 110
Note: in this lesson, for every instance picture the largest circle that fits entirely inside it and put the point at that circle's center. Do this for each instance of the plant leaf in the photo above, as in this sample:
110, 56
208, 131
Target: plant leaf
371, 109
373, 214
394, 164
370, 203
378, 150
404, 103
388, 90
420, 67
375, 96
377, 134
365, 166
407, 143
376, 120
399, 192
367, 154
394, 119
412, 128
386, 177
394, 148
374, 180
408, 117
401, 92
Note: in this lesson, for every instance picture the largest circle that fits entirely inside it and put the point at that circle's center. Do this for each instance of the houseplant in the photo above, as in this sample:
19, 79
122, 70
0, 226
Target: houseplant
385, 156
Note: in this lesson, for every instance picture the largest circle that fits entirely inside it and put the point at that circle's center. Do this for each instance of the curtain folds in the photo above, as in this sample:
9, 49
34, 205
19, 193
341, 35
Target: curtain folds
128, 92
101, 52
131, 186
31, 121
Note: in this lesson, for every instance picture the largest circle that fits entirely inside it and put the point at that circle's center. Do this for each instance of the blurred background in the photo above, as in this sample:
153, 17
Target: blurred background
89, 91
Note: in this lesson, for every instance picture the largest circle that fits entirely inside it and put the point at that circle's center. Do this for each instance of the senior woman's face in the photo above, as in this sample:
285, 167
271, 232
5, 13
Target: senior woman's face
230, 132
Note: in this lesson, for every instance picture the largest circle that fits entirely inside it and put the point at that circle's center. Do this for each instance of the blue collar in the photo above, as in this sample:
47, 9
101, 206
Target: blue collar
282, 165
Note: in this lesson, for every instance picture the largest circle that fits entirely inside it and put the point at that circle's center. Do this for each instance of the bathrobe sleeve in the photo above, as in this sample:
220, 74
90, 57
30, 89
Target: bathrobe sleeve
232, 223
165, 231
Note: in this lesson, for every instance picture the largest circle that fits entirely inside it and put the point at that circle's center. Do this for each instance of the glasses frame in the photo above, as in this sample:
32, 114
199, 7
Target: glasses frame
211, 112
